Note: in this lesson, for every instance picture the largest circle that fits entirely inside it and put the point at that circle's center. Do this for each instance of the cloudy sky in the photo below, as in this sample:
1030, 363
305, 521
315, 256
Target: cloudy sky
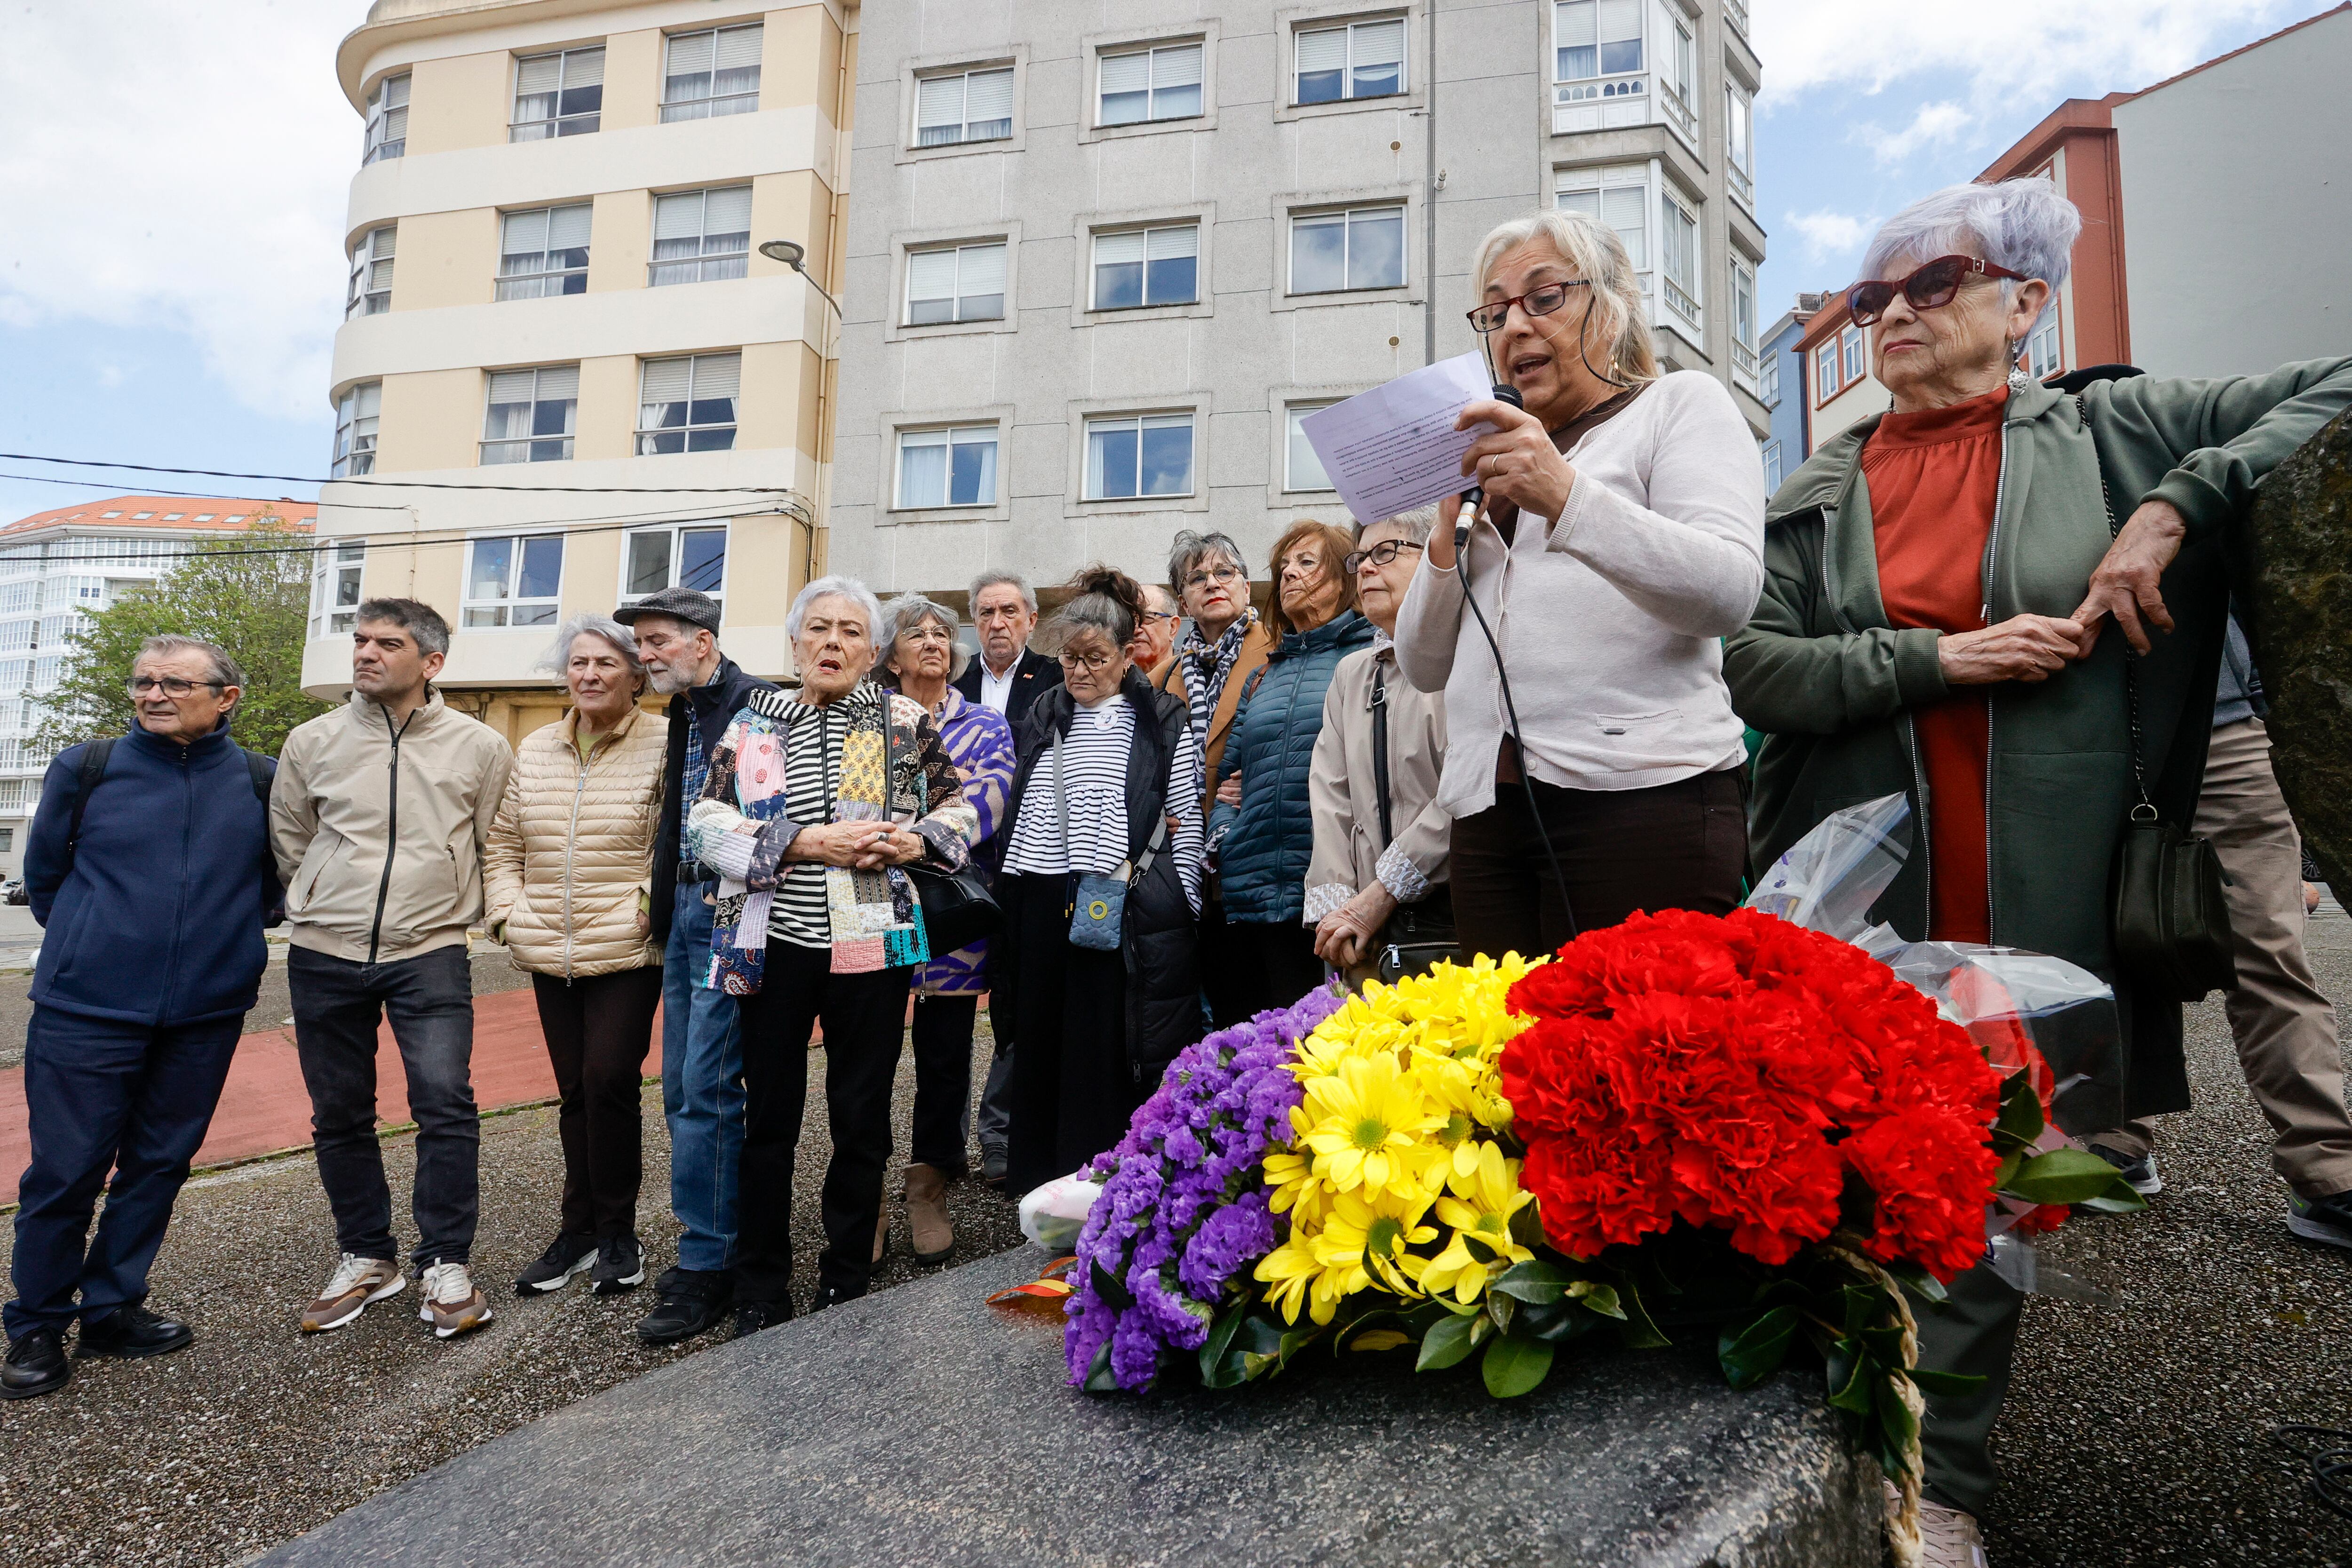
172, 176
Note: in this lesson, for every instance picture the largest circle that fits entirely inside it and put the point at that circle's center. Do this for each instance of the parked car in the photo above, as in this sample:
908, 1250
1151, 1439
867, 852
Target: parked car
13, 891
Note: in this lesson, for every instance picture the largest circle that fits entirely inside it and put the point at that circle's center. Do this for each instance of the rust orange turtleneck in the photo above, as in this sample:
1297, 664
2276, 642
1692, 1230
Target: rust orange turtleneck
1933, 478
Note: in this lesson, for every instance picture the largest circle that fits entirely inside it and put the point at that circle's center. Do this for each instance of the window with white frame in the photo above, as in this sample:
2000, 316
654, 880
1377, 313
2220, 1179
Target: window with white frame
2042, 356
963, 106
12, 795
710, 73
1740, 143
676, 555
950, 467
16, 636
687, 404
371, 293
1363, 247
1851, 347
1678, 77
1149, 84
1678, 251
1768, 379
1360, 59
1618, 199
544, 252
335, 586
1138, 267
1771, 467
46, 670
513, 581
955, 283
1743, 321
356, 416
530, 414
1825, 373
559, 94
1301, 468
387, 119
1595, 40
701, 236
1138, 455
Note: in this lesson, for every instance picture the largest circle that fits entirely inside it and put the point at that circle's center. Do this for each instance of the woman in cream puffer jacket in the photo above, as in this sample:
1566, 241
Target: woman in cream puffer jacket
568, 871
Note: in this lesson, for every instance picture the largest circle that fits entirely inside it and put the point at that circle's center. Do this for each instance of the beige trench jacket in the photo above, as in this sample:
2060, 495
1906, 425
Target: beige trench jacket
572, 848
1342, 790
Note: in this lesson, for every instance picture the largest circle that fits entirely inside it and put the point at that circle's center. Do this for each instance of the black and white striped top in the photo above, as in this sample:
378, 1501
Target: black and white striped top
798, 913
1094, 777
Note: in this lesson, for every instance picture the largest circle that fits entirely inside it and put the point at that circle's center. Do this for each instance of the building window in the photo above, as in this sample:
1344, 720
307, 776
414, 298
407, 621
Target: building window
529, 417
1743, 322
1771, 468
2042, 358
688, 405
1146, 456
356, 415
1301, 468
1150, 84
1617, 202
1678, 77
955, 283
543, 253
701, 236
335, 587
1825, 373
1850, 341
954, 467
1596, 39
967, 106
1767, 380
712, 73
370, 292
387, 119
1138, 267
684, 555
561, 94
7, 840
1739, 144
513, 582
1360, 248
1678, 243
1363, 59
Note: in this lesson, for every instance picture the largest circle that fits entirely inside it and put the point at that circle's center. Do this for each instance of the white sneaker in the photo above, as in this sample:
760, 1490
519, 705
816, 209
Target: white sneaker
1949, 1538
349, 1289
453, 1303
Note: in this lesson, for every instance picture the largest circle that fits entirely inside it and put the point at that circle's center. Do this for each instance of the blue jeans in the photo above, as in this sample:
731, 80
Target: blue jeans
99, 1094
702, 1091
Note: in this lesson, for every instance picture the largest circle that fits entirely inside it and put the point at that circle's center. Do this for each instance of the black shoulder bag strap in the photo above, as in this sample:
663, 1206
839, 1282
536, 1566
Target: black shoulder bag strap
93, 768
1380, 750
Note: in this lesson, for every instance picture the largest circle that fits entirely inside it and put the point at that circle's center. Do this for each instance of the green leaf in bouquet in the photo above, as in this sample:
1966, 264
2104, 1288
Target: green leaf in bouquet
1532, 1281
1863, 1303
1447, 1344
1098, 1374
2062, 1176
1515, 1365
1478, 1249
2119, 1199
1296, 1339
2008, 1169
1256, 1348
1919, 1282
1112, 1289
1885, 1343
1500, 1307
1639, 1331
1602, 1298
1526, 1227
1947, 1382
1554, 1322
1753, 1351
2020, 1119
1894, 1416
1379, 1340
1850, 1372
1218, 1348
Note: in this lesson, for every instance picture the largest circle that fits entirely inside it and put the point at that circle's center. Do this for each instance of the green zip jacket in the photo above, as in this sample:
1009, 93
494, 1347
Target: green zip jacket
1831, 685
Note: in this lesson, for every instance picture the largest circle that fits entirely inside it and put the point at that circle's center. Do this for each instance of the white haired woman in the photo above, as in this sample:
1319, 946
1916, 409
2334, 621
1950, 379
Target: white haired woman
815, 799
568, 884
1624, 539
921, 659
1937, 580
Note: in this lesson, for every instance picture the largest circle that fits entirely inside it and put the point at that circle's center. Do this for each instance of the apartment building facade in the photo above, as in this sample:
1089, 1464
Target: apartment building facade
1780, 383
567, 377
1100, 264
57, 569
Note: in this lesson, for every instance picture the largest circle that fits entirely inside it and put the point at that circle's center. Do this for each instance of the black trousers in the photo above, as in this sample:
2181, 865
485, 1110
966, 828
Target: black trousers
598, 1030
942, 1040
1233, 967
863, 1016
1682, 846
1073, 1090
1286, 958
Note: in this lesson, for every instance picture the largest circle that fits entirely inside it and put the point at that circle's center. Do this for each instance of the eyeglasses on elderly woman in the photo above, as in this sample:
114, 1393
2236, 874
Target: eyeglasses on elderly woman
1541, 301
1380, 554
1929, 288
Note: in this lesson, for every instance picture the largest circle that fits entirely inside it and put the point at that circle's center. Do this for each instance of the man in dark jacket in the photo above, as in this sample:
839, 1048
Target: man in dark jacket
149, 866
702, 1052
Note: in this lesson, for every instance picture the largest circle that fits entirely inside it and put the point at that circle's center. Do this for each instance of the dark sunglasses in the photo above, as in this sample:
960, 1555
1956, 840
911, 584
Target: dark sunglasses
1541, 301
1380, 554
1930, 288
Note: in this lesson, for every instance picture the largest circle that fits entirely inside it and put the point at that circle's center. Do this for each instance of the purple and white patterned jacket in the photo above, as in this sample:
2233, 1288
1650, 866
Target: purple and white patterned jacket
980, 745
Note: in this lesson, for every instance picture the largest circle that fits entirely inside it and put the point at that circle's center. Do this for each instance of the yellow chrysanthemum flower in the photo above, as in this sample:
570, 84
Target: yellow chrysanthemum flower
1374, 1116
1484, 1216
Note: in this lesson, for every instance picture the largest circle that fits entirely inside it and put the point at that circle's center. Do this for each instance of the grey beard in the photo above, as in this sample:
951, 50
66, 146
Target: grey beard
669, 682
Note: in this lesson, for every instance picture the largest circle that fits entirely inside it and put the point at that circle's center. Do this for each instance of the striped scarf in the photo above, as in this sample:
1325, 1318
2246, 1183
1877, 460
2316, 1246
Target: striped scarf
1206, 665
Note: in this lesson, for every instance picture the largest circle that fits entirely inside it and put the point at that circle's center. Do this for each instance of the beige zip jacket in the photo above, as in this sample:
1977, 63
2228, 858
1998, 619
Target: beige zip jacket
569, 859
1343, 794
378, 835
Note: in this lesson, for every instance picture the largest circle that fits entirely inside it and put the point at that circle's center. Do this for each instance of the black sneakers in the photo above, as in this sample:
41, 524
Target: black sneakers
2140, 1175
37, 1365
620, 1266
750, 1317
2325, 1220
692, 1302
565, 1257
134, 1331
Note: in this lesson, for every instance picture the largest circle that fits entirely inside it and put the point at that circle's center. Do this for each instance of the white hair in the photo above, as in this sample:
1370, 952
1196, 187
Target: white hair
2023, 224
908, 611
1416, 525
988, 580
1618, 346
826, 588
624, 643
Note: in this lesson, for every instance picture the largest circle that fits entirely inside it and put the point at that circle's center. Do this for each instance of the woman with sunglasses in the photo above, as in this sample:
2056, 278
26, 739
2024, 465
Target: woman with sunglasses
1621, 540
1937, 580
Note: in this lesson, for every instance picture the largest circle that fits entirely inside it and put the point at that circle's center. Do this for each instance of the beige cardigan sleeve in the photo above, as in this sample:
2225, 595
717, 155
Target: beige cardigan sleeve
502, 854
1331, 868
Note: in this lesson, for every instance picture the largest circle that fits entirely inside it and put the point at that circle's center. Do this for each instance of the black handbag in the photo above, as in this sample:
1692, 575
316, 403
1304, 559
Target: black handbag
958, 906
2167, 917
1418, 936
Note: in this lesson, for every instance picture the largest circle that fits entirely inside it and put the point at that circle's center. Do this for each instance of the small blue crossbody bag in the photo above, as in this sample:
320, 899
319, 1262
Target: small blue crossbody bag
1098, 898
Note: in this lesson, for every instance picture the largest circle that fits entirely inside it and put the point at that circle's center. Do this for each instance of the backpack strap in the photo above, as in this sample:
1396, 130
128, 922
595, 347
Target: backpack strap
94, 758
259, 776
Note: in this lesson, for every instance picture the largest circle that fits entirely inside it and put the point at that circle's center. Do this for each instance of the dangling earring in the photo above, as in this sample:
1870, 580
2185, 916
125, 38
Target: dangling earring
2017, 380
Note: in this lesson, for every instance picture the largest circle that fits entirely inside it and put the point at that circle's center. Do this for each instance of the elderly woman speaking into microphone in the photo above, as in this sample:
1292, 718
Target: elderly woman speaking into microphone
1623, 538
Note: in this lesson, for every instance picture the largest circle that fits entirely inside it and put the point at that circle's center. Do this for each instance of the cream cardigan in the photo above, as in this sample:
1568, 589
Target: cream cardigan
1611, 616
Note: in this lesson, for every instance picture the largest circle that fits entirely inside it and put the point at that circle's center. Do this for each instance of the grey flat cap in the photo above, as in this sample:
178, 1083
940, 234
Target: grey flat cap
679, 604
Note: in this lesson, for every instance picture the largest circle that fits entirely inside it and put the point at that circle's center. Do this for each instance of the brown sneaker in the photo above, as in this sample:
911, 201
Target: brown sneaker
927, 1214
355, 1283
453, 1303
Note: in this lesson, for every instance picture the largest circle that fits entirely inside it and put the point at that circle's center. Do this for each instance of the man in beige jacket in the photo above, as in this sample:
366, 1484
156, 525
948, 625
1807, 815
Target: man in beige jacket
377, 820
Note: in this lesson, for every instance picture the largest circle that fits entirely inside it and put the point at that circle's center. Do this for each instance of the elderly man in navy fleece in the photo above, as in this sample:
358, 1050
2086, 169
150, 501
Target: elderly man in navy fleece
149, 866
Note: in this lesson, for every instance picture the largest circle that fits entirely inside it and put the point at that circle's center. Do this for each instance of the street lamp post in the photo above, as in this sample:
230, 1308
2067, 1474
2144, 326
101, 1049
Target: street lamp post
795, 254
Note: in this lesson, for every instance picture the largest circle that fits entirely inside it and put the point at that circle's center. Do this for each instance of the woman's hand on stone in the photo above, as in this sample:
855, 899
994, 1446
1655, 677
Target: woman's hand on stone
2128, 582
1515, 461
2023, 647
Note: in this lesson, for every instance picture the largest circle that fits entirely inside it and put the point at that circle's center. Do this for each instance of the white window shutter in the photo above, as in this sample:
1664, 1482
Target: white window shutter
728, 210
1380, 43
1577, 24
557, 381
526, 233
983, 270
718, 375
689, 53
1173, 243
383, 240
1126, 73
678, 216
1325, 49
395, 90
932, 274
1621, 20
1585, 202
1111, 249
510, 386
939, 101
666, 380
371, 399
1620, 208
739, 48
989, 95
540, 73
567, 228
583, 67
1176, 67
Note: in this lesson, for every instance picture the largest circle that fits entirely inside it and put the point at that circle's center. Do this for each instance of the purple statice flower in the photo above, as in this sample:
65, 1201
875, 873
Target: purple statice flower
1183, 1208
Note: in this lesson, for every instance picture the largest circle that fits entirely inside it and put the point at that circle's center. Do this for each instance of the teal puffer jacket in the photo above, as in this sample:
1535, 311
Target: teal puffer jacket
1270, 837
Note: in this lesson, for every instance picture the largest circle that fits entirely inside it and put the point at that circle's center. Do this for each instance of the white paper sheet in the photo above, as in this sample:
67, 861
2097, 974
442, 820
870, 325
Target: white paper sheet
1395, 448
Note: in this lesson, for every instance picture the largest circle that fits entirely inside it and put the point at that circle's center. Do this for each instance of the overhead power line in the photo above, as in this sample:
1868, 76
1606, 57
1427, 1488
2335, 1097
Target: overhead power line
384, 483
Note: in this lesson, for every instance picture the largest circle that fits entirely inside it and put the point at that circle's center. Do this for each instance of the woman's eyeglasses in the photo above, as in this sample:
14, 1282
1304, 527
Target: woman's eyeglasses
1089, 662
1541, 301
171, 686
1214, 574
1380, 554
1929, 288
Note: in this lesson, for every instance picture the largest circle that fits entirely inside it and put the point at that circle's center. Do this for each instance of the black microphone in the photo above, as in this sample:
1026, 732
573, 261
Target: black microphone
1474, 500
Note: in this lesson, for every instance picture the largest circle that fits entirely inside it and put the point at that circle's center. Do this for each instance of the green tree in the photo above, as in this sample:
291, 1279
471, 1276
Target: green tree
249, 592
